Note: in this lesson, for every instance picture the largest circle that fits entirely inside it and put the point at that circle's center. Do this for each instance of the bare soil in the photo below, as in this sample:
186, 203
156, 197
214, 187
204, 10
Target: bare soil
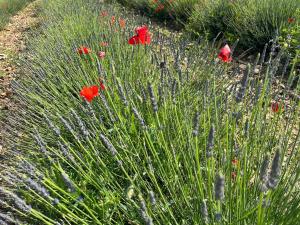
12, 44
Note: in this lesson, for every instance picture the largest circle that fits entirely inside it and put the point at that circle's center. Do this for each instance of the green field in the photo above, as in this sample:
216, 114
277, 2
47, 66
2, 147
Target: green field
118, 124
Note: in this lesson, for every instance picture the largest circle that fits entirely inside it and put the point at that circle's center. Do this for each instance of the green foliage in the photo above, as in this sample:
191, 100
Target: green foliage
256, 22
290, 39
9, 8
209, 17
158, 144
253, 22
176, 11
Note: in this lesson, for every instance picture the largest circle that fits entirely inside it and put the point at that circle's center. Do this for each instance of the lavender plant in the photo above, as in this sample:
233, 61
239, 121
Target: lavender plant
127, 158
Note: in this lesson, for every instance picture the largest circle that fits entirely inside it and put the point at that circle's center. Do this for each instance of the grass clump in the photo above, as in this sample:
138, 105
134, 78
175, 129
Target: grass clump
8, 8
171, 140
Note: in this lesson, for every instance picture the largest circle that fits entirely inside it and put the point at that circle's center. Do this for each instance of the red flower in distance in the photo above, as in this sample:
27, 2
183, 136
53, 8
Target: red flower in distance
83, 50
104, 13
102, 86
103, 44
159, 8
291, 20
113, 20
122, 23
89, 92
225, 54
275, 107
234, 162
233, 175
101, 55
142, 36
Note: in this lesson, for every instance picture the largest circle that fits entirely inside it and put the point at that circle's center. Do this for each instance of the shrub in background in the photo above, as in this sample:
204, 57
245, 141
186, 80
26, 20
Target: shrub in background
209, 18
173, 11
253, 22
256, 22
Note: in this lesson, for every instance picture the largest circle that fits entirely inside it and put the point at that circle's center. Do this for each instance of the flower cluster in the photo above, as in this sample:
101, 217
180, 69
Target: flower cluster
142, 37
160, 6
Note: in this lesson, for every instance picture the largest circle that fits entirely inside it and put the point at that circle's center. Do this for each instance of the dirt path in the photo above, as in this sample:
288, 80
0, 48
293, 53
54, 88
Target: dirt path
12, 43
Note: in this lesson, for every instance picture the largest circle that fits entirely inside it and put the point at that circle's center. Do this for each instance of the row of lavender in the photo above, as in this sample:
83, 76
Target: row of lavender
118, 127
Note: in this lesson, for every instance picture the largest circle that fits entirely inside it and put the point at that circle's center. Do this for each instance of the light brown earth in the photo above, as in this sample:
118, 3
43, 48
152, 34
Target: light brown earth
12, 44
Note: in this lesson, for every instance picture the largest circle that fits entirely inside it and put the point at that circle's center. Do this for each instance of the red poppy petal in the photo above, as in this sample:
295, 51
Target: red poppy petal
225, 50
89, 92
83, 91
148, 39
102, 86
95, 90
141, 30
275, 107
222, 57
144, 39
134, 40
225, 58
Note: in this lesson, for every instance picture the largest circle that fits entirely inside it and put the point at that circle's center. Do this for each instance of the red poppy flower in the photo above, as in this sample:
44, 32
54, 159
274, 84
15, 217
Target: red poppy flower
233, 175
224, 54
104, 13
103, 44
291, 20
101, 55
122, 23
113, 20
83, 50
275, 107
89, 92
102, 86
234, 162
142, 36
159, 8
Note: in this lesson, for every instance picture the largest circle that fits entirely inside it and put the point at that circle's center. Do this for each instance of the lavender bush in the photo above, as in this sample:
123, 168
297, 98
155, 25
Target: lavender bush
173, 139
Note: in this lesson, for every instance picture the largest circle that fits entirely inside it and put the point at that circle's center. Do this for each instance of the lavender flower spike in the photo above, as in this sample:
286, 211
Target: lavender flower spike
152, 98
210, 141
9, 219
108, 145
152, 198
219, 187
122, 93
20, 203
264, 169
138, 117
275, 171
204, 211
196, 124
241, 92
68, 182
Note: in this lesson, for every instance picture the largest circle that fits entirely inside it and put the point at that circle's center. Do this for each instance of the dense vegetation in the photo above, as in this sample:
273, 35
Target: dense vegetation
9, 8
175, 136
253, 22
